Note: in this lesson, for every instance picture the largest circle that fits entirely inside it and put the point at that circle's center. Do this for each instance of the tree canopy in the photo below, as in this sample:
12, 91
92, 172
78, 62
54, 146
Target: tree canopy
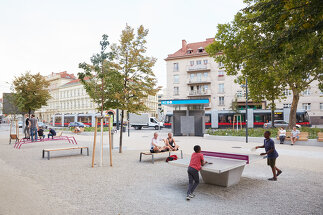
276, 44
30, 92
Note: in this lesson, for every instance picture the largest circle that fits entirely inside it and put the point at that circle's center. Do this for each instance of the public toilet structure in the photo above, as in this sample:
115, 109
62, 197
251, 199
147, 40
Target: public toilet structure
188, 116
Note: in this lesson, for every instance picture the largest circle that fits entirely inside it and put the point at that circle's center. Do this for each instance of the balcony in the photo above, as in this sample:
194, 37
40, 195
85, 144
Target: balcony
199, 81
199, 93
198, 67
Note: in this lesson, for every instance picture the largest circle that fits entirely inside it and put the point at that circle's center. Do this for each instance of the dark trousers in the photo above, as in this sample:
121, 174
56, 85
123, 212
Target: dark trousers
282, 139
193, 178
50, 135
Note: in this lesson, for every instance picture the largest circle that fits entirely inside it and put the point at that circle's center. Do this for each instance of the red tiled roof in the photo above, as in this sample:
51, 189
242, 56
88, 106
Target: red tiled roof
182, 53
66, 75
76, 81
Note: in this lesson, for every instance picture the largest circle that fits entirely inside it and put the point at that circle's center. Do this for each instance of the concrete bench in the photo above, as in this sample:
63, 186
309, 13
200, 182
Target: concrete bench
303, 136
156, 153
63, 149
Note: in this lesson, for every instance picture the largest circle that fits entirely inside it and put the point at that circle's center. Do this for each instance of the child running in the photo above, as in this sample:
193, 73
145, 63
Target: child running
197, 160
272, 154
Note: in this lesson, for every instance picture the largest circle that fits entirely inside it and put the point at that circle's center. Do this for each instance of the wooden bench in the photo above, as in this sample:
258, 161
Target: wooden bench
62, 149
156, 153
303, 136
320, 137
80, 131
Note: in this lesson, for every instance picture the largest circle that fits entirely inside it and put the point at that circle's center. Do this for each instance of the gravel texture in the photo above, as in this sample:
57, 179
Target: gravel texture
66, 184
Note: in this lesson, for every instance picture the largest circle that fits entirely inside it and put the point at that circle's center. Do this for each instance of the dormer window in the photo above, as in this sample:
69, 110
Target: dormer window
189, 51
200, 50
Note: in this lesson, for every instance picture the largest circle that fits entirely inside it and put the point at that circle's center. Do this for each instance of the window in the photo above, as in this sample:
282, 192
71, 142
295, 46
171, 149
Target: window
198, 62
189, 51
221, 100
239, 93
192, 76
205, 62
192, 63
176, 91
199, 76
221, 73
206, 88
321, 106
287, 105
287, 92
221, 88
205, 74
200, 50
221, 64
175, 67
176, 79
306, 92
306, 106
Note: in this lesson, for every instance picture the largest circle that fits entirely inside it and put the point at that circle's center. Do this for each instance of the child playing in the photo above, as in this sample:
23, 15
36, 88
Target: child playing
197, 161
272, 154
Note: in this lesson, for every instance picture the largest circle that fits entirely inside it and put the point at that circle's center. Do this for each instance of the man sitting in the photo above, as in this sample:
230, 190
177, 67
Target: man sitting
155, 146
51, 133
41, 133
170, 142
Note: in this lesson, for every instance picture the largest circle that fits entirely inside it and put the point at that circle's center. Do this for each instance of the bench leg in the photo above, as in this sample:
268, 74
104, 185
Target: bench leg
152, 158
43, 153
81, 151
48, 155
140, 157
181, 154
87, 151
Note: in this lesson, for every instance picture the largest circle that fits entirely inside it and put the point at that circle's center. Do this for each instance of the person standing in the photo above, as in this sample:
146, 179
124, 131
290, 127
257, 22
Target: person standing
197, 160
272, 154
282, 135
294, 136
26, 130
33, 125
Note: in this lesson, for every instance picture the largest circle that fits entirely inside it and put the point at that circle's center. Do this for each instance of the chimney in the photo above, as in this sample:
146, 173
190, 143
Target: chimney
184, 44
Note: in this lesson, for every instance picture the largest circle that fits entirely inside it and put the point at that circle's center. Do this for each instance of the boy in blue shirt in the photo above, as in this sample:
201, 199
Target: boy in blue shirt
272, 154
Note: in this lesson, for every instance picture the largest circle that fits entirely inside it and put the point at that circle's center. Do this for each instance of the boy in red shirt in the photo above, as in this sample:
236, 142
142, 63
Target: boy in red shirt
197, 160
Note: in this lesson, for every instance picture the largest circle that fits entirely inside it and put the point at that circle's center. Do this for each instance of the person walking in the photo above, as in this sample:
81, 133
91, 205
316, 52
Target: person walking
282, 135
26, 129
33, 125
197, 160
272, 154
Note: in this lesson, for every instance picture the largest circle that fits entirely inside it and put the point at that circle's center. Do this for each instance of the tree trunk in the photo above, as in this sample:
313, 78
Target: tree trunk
121, 131
293, 109
273, 106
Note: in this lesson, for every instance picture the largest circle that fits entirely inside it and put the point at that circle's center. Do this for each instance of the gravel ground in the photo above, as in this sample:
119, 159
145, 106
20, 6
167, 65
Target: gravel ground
68, 185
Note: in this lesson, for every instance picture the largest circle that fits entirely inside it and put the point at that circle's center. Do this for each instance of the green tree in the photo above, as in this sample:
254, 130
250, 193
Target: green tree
279, 44
136, 71
30, 92
100, 79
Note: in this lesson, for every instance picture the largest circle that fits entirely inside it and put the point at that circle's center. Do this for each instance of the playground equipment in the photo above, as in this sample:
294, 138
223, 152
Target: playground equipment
110, 120
16, 135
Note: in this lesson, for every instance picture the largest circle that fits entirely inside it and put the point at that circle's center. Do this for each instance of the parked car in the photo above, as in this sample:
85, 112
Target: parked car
20, 124
42, 125
77, 124
278, 124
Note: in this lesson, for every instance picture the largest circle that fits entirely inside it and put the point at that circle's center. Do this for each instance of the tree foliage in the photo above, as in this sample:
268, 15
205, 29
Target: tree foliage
276, 44
135, 68
30, 92
100, 78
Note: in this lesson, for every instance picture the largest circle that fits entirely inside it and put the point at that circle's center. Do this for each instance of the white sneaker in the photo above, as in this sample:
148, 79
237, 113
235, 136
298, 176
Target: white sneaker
192, 195
188, 197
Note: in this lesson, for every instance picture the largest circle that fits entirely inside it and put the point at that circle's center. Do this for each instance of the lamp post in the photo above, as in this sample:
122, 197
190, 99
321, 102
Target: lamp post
246, 110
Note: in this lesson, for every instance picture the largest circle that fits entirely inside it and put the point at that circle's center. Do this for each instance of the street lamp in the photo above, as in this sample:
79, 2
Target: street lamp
246, 86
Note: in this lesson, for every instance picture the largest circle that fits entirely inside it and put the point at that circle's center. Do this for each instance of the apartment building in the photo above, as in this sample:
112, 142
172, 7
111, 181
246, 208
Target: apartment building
193, 74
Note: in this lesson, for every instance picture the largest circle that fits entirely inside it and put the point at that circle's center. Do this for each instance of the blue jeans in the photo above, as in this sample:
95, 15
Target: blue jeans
50, 135
33, 132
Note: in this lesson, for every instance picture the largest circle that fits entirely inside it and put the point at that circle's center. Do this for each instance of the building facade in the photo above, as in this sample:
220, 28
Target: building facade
193, 74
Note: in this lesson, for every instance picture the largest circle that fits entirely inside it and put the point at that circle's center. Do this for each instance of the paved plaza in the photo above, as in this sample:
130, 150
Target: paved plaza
68, 185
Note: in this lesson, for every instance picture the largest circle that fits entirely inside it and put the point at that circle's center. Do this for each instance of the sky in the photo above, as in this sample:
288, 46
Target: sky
48, 36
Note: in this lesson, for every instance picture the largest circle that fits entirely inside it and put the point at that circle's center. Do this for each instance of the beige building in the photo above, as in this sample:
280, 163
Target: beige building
193, 74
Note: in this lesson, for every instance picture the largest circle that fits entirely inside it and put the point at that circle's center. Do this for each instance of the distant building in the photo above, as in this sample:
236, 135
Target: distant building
193, 74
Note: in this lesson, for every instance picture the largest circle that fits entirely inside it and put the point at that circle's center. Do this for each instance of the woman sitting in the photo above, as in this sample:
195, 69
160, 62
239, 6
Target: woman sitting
170, 142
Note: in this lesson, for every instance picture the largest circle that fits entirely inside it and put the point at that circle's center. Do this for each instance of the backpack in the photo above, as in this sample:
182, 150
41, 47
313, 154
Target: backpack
171, 158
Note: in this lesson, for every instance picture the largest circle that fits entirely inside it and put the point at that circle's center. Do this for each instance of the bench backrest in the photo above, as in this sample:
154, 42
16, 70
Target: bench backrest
226, 155
320, 134
59, 134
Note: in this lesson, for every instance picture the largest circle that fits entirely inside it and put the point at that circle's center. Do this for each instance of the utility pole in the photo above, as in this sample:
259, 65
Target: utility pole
117, 119
246, 110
